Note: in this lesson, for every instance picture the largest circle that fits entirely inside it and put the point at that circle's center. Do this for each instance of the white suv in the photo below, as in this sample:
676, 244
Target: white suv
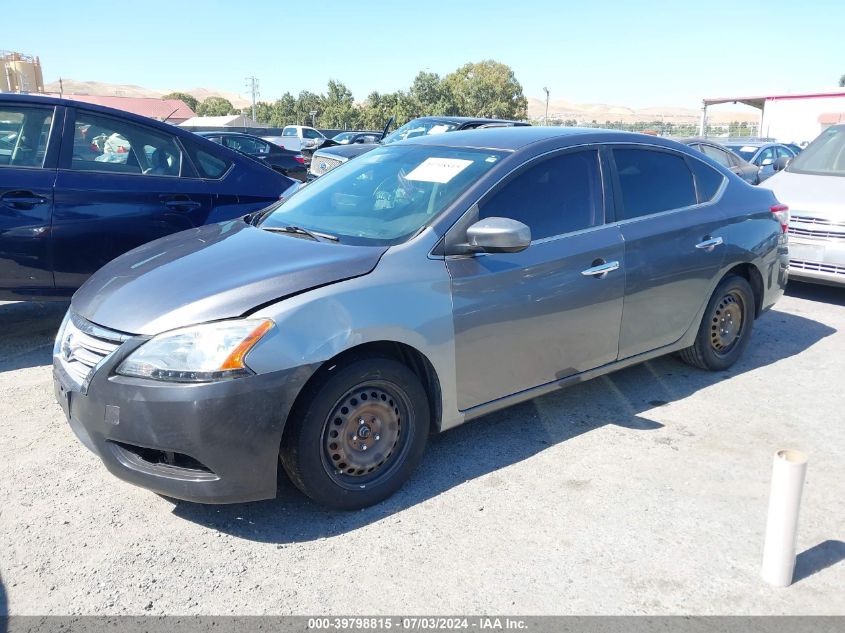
813, 186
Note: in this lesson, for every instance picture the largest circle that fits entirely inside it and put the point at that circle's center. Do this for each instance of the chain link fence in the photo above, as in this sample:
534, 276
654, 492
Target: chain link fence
665, 126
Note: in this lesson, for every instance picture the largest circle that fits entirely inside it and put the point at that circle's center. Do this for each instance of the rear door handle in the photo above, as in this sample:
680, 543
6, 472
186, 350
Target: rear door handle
22, 199
710, 244
601, 269
181, 204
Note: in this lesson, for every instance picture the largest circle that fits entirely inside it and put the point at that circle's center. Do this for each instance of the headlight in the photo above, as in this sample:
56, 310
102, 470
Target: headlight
201, 353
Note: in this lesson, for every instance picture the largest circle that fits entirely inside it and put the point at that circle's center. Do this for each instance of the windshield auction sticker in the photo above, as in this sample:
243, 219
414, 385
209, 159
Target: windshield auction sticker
440, 170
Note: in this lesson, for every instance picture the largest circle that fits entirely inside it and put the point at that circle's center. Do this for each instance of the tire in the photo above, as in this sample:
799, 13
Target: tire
324, 450
720, 340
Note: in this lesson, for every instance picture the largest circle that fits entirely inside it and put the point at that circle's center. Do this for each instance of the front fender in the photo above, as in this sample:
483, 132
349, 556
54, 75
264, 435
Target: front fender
405, 299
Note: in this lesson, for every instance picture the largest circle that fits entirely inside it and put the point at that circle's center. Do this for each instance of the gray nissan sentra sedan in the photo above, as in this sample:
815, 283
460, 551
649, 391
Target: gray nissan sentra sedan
419, 286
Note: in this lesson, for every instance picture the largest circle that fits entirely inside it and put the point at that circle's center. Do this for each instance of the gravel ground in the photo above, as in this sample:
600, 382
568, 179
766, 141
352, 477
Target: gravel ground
641, 492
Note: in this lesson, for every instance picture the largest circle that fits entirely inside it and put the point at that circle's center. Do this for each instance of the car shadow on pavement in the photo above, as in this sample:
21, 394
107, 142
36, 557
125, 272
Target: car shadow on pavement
816, 292
512, 435
27, 332
819, 557
4, 607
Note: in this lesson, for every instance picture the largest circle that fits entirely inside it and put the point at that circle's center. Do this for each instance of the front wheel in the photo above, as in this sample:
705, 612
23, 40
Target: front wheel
725, 330
358, 433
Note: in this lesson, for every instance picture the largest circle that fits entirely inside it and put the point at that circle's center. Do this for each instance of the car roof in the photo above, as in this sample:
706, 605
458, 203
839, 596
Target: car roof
226, 132
91, 107
514, 138
757, 144
463, 119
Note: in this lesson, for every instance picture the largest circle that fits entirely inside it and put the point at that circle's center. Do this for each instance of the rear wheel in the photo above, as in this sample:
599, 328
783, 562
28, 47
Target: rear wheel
358, 434
725, 330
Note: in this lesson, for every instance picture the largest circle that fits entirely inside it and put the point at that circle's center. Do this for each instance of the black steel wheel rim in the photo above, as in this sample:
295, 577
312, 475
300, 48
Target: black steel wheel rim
366, 434
727, 323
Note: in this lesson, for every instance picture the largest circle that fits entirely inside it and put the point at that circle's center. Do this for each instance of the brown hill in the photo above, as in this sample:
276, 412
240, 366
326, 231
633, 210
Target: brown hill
601, 112
72, 86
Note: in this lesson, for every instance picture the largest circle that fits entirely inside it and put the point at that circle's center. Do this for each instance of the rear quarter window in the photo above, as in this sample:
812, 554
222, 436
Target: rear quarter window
208, 165
707, 180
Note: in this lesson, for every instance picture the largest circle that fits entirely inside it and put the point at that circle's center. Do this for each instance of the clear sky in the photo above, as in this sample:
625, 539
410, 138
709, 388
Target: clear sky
635, 53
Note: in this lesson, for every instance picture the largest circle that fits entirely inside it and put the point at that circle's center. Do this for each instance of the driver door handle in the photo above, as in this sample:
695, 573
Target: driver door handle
710, 244
22, 199
599, 270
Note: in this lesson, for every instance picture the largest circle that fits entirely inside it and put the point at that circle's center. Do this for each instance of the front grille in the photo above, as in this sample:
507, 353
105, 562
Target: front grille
82, 345
819, 228
323, 164
806, 219
833, 269
820, 234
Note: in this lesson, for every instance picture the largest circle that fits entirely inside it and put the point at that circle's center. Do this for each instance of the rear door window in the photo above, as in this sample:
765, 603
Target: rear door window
240, 143
107, 144
555, 196
720, 156
289, 131
651, 181
24, 132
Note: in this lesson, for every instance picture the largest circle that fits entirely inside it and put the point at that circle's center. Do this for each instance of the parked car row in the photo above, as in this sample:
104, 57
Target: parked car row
324, 160
330, 331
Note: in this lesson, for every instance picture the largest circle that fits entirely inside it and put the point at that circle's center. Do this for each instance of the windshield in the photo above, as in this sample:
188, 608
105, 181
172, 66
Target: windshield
385, 196
746, 151
419, 127
343, 136
825, 156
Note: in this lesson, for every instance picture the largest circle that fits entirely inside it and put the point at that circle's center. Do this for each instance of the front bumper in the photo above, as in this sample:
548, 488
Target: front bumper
209, 443
817, 260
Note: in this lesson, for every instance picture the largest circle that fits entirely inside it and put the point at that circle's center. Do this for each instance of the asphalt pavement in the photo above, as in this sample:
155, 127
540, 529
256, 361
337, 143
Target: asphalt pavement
641, 492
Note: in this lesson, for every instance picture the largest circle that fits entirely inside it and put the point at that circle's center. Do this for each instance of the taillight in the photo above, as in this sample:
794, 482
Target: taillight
299, 159
781, 211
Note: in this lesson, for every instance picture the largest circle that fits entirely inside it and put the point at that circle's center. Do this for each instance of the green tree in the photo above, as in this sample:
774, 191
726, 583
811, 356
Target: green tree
189, 100
284, 111
264, 112
215, 106
431, 94
486, 88
339, 107
306, 103
842, 81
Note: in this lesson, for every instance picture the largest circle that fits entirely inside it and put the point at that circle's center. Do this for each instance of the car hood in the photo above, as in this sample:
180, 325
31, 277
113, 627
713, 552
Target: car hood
213, 272
345, 152
822, 196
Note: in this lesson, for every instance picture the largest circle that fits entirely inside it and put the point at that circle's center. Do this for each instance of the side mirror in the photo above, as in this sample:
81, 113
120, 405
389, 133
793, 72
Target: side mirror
781, 163
766, 162
499, 235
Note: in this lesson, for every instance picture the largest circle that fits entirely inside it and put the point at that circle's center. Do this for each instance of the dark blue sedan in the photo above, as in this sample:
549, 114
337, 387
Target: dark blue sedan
81, 184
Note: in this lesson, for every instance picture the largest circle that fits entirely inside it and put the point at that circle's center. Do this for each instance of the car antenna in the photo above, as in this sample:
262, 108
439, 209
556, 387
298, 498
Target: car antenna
170, 115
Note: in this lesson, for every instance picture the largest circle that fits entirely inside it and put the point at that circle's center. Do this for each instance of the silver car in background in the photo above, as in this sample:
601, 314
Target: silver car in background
424, 284
813, 185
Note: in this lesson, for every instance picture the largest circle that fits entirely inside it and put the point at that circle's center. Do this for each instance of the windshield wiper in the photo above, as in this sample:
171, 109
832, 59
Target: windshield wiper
314, 235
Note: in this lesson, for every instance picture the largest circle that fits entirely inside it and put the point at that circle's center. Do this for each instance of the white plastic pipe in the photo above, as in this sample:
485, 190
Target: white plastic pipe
788, 473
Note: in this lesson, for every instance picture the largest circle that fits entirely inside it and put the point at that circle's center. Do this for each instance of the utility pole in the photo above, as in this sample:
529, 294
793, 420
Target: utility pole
252, 88
546, 117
